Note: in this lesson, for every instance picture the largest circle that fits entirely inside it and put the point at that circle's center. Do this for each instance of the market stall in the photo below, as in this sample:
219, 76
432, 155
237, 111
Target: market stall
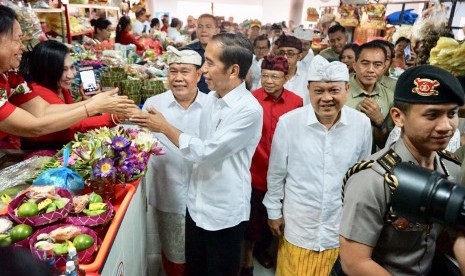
98, 220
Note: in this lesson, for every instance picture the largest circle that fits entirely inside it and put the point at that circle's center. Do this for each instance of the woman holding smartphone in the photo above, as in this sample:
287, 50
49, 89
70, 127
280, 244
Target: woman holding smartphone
37, 117
404, 57
50, 71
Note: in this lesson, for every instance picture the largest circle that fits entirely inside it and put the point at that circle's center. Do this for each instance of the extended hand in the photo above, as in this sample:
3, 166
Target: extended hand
152, 120
110, 102
276, 226
372, 110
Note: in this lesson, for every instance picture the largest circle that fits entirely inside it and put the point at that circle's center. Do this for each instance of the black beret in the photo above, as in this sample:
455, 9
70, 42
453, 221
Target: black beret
426, 84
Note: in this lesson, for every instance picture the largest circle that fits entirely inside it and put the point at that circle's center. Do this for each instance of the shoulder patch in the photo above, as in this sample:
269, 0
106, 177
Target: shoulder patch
389, 160
449, 156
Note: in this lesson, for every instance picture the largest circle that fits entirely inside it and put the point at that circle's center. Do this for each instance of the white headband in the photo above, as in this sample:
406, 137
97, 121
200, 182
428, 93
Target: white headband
322, 70
183, 56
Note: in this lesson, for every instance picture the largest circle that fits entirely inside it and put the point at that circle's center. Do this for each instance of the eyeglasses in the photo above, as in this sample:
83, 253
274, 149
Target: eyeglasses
272, 77
288, 54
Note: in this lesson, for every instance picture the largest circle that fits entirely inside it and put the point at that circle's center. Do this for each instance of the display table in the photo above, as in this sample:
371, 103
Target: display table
123, 250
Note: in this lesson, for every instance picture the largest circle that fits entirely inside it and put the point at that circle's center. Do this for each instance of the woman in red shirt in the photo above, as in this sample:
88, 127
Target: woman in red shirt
38, 117
124, 35
50, 70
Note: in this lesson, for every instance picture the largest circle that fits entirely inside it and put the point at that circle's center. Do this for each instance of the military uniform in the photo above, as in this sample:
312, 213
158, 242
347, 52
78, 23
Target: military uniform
401, 246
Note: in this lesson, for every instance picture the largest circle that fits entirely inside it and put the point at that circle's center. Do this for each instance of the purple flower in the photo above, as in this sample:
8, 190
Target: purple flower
119, 143
104, 168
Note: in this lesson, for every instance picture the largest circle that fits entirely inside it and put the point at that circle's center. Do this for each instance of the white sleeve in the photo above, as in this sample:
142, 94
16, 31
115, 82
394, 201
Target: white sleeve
277, 171
368, 134
236, 135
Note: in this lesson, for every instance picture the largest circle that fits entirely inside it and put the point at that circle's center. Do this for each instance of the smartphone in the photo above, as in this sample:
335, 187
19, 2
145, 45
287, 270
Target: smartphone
89, 83
407, 52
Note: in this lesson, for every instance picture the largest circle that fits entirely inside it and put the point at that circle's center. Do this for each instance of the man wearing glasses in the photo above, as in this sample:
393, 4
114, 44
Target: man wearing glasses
313, 146
275, 101
291, 47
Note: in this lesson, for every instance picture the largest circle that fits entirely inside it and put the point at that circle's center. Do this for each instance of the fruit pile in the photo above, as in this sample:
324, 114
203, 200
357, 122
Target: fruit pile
40, 200
60, 239
10, 234
90, 205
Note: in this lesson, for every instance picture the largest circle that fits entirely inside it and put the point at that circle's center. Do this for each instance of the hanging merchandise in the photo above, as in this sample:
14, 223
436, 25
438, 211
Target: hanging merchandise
408, 17
28, 20
348, 15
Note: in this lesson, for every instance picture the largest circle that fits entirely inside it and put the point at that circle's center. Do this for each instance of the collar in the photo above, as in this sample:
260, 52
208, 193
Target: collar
357, 91
232, 97
196, 45
266, 97
173, 102
401, 149
313, 120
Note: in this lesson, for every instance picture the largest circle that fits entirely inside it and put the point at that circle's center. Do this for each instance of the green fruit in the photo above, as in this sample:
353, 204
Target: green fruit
95, 198
28, 209
51, 207
60, 248
60, 203
82, 242
20, 232
5, 240
92, 213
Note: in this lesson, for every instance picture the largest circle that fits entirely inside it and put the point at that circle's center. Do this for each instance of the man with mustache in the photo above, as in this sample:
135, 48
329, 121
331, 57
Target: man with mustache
312, 148
366, 93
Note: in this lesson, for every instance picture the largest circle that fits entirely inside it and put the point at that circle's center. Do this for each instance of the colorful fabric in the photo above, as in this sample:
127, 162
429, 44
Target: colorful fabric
296, 261
277, 63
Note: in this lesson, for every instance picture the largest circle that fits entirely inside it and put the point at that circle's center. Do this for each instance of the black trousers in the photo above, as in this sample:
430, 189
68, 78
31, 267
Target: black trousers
213, 252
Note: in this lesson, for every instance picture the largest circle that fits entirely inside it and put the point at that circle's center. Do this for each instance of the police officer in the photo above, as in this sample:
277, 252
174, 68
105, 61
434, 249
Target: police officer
373, 239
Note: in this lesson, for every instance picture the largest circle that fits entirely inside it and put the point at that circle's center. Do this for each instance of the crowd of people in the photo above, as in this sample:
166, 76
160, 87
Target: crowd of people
268, 151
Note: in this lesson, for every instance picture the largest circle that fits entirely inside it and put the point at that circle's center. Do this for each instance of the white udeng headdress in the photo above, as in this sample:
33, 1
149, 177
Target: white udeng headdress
322, 70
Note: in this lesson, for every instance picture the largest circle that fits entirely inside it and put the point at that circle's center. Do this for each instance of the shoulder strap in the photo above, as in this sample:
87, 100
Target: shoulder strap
449, 156
359, 166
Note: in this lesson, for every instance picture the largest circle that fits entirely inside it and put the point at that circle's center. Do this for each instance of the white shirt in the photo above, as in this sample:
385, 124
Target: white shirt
307, 165
138, 28
453, 145
220, 186
305, 62
256, 71
298, 84
173, 34
168, 175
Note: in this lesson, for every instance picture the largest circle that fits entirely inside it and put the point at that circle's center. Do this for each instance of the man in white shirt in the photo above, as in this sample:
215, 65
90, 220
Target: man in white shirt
261, 47
173, 32
140, 27
218, 203
312, 149
168, 175
306, 36
291, 47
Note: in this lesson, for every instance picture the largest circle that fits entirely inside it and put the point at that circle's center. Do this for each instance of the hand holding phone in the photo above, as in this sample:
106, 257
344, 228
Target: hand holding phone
407, 52
89, 83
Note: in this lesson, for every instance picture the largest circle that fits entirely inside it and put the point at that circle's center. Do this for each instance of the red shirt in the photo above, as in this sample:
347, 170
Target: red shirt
9, 81
272, 110
127, 38
58, 139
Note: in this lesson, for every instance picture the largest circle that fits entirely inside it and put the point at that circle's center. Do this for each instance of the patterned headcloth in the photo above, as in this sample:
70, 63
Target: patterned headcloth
289, 41
276, 63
